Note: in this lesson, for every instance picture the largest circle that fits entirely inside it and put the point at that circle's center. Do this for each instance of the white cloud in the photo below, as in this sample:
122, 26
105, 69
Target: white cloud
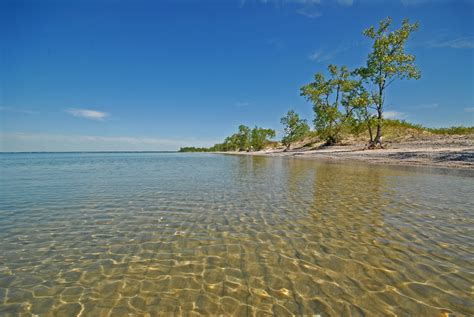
394, 115
88, 114
19, 141
320, 56
466, 42
469, 109
309, 12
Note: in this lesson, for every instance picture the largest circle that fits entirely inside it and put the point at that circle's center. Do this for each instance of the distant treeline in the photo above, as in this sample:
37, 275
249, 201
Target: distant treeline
346, 101
245, 139
194, 149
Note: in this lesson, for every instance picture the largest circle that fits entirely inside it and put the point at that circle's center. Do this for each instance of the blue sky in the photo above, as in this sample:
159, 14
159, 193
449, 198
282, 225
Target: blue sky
157, 75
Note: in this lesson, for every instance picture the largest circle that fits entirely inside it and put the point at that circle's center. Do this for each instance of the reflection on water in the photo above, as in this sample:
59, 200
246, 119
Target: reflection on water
118, 234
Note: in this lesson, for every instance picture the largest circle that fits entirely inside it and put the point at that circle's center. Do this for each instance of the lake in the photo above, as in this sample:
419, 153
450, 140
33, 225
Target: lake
93, 234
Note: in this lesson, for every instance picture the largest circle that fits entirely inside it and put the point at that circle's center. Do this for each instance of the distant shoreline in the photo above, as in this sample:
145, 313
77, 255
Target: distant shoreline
452, 152
85, 152
455, 152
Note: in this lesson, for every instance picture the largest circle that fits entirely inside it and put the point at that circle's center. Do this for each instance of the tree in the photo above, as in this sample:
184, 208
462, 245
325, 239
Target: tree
359, 100
329, 98
259, 137
295, 128
194, 149
387, 62
231, 143
243, 138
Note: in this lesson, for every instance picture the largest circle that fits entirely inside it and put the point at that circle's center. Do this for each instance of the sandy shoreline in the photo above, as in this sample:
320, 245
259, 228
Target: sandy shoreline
448, 152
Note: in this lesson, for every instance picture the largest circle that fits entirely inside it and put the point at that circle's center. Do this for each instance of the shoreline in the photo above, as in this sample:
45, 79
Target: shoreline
452, 152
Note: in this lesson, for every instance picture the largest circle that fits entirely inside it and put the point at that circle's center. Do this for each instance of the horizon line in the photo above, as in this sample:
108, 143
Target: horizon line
38, 152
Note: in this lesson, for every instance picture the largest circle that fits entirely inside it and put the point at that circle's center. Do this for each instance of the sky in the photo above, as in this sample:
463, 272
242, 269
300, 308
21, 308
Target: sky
112, 75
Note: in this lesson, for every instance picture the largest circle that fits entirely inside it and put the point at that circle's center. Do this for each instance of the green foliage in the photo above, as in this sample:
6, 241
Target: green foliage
401, 129
388, 59
243, 138
193, 149
239, 141
343, 103
231, 143
452, 130
402, 124
362, 118
222, 147
331, 101
259, 137
295, 128
386, 63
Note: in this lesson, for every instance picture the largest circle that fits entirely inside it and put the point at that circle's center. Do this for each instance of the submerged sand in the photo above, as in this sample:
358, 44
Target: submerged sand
439, 151
159, 234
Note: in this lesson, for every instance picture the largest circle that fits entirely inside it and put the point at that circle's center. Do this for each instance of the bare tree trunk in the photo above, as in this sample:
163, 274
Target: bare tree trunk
378, 136
370, 132
369, 126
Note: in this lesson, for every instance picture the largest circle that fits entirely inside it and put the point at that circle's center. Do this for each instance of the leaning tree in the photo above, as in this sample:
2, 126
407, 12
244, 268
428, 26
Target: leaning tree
386, 63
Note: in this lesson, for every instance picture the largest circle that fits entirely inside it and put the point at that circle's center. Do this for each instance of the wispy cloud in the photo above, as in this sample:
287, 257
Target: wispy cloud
321, 55
313, 9
466, 42
309, 12
394, 115
242, 104
88, 114
11, 109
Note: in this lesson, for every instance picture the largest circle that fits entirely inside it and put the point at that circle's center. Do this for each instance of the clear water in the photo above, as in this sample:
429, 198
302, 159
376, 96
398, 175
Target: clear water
149, 234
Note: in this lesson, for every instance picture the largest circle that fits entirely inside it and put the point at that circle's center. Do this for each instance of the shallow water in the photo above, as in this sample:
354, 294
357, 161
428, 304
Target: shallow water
135, 233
